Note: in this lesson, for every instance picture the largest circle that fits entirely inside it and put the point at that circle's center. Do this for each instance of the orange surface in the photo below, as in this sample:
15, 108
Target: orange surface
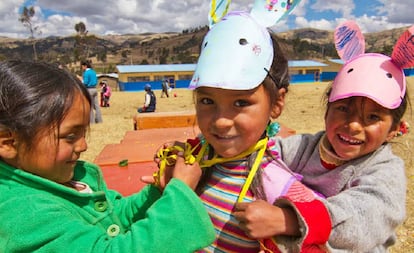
165, 119
126, 180
139, 147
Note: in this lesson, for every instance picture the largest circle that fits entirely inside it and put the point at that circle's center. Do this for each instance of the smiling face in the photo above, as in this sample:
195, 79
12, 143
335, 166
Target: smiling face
54, 155
231, 120
357, 126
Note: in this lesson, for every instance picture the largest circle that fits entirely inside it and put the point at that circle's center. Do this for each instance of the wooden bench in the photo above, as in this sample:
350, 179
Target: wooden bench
152, 120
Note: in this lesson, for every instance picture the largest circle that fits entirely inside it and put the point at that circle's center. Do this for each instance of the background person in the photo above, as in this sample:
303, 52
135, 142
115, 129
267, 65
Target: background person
165, 88
90, 81
150, 102
105, 94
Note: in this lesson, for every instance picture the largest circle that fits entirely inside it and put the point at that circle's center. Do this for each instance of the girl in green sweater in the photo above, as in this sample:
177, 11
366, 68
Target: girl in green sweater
52, 202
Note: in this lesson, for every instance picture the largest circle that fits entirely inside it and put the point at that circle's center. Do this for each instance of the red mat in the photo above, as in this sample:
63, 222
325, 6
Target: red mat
126, 180
138, 148
141, 145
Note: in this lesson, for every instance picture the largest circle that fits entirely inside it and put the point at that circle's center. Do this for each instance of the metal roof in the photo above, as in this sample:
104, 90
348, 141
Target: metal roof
337, 61
112, 75
155, 68
191, 67
306, 63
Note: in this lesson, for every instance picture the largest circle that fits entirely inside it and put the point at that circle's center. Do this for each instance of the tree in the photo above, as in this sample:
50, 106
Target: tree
26, 19
81, 29
81, 50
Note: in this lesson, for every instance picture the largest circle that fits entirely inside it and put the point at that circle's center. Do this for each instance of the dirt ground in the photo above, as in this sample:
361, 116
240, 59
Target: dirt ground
303, 112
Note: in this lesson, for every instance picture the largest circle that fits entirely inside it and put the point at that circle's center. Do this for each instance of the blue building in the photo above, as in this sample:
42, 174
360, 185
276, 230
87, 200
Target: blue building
134, 77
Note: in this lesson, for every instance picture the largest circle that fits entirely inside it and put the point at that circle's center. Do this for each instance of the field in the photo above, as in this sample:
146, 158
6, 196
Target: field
303, 112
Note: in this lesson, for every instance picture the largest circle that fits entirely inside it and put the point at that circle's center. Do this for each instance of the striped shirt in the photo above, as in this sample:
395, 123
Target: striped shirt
219, 196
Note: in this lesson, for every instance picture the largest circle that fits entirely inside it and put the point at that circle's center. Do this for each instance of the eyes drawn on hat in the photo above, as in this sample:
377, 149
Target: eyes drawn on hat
243, 41
255, 48
388, 74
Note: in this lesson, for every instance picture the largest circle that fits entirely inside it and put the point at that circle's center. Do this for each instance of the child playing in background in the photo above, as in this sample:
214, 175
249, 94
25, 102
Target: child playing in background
105, 94
52, 202
165, 88
351, 163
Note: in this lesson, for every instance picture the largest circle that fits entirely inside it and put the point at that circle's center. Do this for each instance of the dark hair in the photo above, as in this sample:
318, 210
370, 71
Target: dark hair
278, 74
35, 97
86, 63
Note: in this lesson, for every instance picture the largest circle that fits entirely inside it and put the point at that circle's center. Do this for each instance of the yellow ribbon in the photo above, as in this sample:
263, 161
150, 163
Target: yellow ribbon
217, 8
168, 157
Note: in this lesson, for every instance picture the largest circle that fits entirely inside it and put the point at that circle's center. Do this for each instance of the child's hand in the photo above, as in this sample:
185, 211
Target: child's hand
260, 219
166, 158
188, 173
257, 219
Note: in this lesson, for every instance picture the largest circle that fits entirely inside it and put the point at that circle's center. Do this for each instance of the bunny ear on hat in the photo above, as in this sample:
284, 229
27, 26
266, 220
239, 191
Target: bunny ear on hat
403, 52
218, 9
349, 40
269, 12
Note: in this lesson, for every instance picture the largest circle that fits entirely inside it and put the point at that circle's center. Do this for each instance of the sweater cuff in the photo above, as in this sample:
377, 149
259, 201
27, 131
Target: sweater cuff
314, 220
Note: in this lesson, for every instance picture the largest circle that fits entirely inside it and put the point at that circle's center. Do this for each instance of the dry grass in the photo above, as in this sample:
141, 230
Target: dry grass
303, 112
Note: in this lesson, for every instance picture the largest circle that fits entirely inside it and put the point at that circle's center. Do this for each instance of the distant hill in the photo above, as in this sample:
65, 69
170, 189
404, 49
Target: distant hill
166, 48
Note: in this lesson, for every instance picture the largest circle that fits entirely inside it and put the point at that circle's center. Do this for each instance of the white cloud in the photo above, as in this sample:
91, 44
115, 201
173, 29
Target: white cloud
138, 16
400, 11
344, 7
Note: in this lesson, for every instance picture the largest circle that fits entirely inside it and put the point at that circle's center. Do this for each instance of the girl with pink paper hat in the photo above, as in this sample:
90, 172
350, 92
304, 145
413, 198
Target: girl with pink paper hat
361, 182
351, 163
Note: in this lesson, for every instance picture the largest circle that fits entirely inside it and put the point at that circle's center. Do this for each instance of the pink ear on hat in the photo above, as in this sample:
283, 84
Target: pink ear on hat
349, 41
403, 53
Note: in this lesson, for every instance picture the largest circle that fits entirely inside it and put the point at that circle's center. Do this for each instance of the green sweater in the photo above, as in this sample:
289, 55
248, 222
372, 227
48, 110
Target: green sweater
38, 215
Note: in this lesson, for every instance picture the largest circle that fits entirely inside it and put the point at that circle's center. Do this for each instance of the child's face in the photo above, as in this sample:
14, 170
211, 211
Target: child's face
231, 120
55, 159
357, 126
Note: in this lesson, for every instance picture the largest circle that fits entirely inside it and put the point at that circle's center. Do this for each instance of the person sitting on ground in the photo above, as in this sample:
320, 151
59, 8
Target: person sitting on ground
150, 100
149, 104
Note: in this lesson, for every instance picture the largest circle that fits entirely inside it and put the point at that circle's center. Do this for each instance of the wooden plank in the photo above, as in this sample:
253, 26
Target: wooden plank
165, 120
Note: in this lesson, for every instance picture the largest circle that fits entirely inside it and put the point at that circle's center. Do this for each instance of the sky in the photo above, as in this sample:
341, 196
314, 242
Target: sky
106, 17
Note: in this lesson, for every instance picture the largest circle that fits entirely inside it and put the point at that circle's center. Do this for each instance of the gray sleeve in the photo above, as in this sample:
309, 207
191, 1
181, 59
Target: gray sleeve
365, 197
366, 214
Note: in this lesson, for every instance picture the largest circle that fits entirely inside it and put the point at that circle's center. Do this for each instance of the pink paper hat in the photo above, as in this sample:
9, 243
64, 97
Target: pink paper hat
374, 76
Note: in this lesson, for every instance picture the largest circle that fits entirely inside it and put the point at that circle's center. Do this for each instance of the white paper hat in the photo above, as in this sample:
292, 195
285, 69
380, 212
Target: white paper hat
237, 52
234, 54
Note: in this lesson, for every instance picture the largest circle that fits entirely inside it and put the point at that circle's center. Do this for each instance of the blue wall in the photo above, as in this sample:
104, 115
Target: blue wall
294, 79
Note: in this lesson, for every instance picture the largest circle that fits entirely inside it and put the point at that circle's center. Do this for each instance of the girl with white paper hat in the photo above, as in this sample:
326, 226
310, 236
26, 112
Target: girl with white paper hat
239, 86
